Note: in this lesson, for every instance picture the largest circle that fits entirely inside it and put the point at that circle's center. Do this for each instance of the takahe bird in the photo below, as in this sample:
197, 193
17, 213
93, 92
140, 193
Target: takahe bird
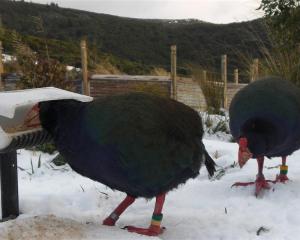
136, 143
265, 121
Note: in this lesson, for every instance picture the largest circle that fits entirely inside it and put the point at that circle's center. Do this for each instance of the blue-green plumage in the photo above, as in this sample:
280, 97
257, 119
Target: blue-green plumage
136, 143
267, 113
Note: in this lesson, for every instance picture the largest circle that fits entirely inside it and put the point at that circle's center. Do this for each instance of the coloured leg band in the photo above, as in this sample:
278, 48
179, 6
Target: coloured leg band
284, 169
156, 219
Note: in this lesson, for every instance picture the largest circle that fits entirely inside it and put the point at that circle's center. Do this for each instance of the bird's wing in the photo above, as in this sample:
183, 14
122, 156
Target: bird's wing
157, 141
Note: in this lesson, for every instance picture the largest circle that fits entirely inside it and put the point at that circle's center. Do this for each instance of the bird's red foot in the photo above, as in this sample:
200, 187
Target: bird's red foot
242, 184
261, 183
109, 221
151, 231
281, 178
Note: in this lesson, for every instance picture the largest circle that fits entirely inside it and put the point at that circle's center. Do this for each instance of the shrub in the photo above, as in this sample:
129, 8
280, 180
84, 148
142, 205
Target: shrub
212, 88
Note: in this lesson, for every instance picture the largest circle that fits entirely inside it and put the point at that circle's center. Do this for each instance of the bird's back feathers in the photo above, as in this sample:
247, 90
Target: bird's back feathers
268, 111
136, 143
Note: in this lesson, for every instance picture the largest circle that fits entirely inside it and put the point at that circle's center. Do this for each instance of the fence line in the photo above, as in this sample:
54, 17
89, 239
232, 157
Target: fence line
219, 78
214, 79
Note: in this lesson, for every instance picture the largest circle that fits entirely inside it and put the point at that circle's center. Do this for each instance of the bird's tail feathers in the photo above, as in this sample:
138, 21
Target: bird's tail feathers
209, 163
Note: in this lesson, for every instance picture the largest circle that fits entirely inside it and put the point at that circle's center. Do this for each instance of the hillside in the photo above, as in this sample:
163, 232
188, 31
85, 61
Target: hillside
143, 41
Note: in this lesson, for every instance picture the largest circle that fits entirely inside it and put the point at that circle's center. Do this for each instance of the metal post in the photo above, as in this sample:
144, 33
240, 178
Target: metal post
224, 78
9, 185
173, 71
86, 85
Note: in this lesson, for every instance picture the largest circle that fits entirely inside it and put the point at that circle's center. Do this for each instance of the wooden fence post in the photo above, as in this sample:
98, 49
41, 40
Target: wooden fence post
86, 84
1, 67
254, 70
251, 72
173, 71
224, 78
204, 75
236, 76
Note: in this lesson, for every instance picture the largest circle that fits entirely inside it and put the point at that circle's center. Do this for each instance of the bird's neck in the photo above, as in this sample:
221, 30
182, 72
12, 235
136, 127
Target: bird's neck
257, 143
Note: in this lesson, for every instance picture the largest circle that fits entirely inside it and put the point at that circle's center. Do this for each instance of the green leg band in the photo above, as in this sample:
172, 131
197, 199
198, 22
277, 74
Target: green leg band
283, 169
284, 172
156, 219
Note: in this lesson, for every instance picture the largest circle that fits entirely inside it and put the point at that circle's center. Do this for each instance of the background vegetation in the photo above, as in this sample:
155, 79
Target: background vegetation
135, 46
282, 58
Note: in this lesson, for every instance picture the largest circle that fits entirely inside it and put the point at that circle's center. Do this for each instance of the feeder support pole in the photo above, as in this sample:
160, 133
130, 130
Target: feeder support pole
9, 185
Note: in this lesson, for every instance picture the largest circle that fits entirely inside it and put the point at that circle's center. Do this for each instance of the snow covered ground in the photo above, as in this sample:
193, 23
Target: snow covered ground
56, 203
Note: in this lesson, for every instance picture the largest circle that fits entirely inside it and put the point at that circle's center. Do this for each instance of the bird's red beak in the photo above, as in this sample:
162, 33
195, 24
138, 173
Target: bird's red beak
244, 152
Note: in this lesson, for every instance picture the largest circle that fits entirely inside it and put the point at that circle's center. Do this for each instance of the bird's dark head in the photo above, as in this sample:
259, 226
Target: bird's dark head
53, 113
48, 114
258, 137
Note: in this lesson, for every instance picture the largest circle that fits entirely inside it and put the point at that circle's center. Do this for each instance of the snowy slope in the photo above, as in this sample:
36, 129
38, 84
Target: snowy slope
59, 204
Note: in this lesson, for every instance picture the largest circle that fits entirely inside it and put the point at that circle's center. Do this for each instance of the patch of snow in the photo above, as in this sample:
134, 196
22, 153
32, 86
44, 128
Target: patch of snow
57, 203
8, 58
216, 127
70, 68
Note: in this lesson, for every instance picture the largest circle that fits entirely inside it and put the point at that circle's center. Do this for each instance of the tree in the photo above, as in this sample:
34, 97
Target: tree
283, 17
37, 71
44, 73
282, 59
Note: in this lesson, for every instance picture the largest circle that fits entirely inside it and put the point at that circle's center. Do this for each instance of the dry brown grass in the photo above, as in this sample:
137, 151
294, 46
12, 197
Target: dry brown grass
106, 68
281, 62
212, 88
157, 71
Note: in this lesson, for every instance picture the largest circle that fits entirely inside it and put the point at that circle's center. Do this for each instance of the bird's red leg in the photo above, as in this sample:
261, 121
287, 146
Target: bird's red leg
154, 228
282, 177
260, 182
114, 216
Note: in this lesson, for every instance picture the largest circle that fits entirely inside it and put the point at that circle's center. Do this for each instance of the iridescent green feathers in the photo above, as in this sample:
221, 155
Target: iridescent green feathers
158, 139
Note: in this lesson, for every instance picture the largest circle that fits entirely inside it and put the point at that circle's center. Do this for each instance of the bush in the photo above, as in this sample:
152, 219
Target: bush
212, 88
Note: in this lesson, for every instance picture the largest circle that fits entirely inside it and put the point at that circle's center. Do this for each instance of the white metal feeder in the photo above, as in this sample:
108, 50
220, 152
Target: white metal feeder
20, 128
